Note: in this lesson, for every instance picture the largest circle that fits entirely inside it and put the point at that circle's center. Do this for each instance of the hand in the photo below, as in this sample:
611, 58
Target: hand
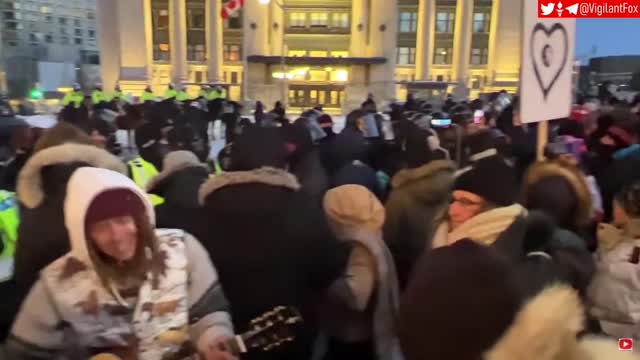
216, 351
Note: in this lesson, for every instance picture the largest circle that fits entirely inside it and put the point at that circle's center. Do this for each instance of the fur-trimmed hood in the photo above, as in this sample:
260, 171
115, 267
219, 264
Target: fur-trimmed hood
426, 183
266, 175
546, 328
574, 178
30, 181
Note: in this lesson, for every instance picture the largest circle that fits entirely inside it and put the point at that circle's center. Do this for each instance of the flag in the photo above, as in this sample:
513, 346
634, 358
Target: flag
231, 7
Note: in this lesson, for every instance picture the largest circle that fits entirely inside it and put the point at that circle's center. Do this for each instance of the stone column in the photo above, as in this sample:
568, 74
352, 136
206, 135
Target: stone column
359, 24
462, 43
214, 40
425, 38
384, 27
178, 29
134, 45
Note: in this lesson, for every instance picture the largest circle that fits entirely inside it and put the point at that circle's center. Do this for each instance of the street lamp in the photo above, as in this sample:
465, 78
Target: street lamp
285, 98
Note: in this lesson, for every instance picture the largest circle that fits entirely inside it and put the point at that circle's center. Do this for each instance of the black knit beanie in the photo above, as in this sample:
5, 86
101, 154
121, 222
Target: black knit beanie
490, 178
460, 301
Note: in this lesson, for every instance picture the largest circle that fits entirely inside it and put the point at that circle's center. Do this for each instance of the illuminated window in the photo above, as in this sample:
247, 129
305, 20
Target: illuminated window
160, 26
298, 53
445, 22
335, 97
481, 22
319, 19
340, 75
317, 75
322, 97
340, 20
317, 53
408, 22
313, 96
339, 54
442, 56
297, 19
231, 52
479, 56
406, 56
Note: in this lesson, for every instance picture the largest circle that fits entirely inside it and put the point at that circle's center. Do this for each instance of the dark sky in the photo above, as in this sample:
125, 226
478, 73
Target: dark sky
607, 37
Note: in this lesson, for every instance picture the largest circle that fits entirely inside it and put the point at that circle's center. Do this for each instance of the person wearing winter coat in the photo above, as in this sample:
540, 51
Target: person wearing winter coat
271, 244
125, 289
418, 197
467, 302
561, 192
305, 162
41, 191
178, 184
614, 294
483, 204
365, 301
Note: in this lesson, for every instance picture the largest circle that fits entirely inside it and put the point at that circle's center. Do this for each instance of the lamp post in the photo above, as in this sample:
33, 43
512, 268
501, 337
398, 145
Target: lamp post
283, 65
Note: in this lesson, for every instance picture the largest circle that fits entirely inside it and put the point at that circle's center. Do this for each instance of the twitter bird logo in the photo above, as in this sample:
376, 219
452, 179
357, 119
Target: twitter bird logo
547, 9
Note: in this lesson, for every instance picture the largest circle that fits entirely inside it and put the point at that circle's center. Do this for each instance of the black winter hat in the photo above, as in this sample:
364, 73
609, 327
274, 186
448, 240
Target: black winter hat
490, 178
258, 147
460, 301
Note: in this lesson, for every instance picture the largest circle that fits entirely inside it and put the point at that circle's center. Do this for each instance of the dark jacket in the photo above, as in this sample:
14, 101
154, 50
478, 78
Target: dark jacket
42, 235
179, 188
305, 161
271, 246
419, 195
343, 149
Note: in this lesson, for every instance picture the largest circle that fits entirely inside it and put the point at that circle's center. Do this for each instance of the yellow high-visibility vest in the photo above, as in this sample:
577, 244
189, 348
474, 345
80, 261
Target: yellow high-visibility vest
142, 172
9, 221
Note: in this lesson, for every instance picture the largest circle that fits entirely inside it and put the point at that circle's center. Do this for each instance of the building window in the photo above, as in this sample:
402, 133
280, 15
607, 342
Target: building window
406, 56
48, 18
234, 77
196, 37
198, 76
297, 19
408, 22
48, 38
297, 53
340, 20
231, 52
445, 22
78, 32
11, 26
63, 31
160, 25
443, 56
33, 37
318, 53
234, 21
76, 22
479, 56
92, 33
481, 22
440, 78
62, 21
343, 54
91, 15
64, 40
319, 19
78, 41
8, 15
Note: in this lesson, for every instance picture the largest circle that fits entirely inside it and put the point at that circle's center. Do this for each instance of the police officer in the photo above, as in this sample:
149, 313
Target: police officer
74, 97
171, 92
8, 223
142, 172
117, 94
98, 96
147, 95
182, 94
204, 91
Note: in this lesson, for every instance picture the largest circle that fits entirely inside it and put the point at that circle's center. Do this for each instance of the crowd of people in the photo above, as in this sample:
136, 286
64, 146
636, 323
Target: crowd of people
424, 231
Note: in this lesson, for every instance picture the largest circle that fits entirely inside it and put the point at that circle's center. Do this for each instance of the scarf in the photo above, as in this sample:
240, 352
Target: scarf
483, 228
387, 299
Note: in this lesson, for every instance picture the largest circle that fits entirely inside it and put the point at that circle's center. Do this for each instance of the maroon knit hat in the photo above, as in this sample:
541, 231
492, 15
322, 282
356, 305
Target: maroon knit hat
114, 203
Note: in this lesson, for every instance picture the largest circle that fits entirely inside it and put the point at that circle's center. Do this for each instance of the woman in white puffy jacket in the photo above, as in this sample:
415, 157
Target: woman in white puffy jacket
615, 291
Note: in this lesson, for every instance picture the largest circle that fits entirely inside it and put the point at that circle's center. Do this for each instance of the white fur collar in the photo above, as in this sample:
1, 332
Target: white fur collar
29, 186
266, 175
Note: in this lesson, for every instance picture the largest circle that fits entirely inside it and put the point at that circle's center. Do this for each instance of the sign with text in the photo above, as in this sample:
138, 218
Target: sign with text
546, 73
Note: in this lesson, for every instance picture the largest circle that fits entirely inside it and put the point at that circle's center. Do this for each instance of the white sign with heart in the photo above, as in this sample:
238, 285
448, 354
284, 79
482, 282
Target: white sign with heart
546, 76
